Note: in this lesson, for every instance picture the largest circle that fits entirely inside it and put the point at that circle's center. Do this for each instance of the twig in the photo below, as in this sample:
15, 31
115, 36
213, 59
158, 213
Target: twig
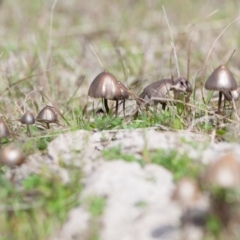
230, 57
96, 56
121, 61
213, 136
19, 207
235, 110
74, 93
172, 41
202, 19
210, 51
50, 33
193, 106
21, 80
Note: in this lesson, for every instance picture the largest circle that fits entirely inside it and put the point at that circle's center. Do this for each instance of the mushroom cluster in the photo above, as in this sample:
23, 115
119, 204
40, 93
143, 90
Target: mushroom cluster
106, 87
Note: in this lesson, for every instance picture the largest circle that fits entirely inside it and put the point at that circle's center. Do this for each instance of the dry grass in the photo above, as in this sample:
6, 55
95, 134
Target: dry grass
47, 46
62, 54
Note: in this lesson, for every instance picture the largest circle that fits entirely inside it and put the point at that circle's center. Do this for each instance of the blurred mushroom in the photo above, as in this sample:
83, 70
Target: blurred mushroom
194, 203
27, 119
11, 156
186, 192
165, 88
221, 80
4, 131
47, 115
225, 173
106, 86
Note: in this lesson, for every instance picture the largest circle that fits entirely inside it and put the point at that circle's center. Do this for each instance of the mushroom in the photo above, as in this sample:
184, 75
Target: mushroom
232, 95
106, 86
186, 192
47, 115
194, 203
125, 95
27, 119
11, 156
221, 80
165, 88
4, 131
225, 173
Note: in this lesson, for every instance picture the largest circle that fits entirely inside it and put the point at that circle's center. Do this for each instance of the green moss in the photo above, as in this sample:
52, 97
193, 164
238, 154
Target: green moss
179, 164
96, 205
42, 203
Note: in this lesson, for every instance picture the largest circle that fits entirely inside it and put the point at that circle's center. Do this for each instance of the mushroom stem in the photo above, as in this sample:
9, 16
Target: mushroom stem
106, 105
116, 111
124, 107
48, 126
164, 106
28, 131
219, 102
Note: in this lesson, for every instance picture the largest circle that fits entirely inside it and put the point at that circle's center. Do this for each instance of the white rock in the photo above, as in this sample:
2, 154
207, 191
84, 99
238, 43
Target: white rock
76, 225
137, 199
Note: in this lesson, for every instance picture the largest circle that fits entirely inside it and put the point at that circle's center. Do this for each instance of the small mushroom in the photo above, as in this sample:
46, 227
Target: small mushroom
165, 88
221, 80
194, 203
4, 131
186, 192
47, 115
106, 86
27, 119
225, 173
11, 156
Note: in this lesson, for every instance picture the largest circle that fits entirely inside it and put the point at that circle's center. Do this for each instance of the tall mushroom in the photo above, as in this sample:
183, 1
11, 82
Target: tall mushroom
27, 119
47, 115
221, 80
106, 86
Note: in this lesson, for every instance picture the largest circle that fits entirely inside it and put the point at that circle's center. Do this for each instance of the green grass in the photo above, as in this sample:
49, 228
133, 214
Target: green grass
96, 205
38, 207
179, 164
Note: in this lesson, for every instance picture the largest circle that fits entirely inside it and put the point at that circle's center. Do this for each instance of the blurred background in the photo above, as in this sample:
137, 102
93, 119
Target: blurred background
56, 41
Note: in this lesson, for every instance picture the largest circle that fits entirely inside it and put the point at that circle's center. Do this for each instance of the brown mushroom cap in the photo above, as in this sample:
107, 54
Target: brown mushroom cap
4, 130
124, 91
221, 79
27, 118
47, 115
106, 86
11, 156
